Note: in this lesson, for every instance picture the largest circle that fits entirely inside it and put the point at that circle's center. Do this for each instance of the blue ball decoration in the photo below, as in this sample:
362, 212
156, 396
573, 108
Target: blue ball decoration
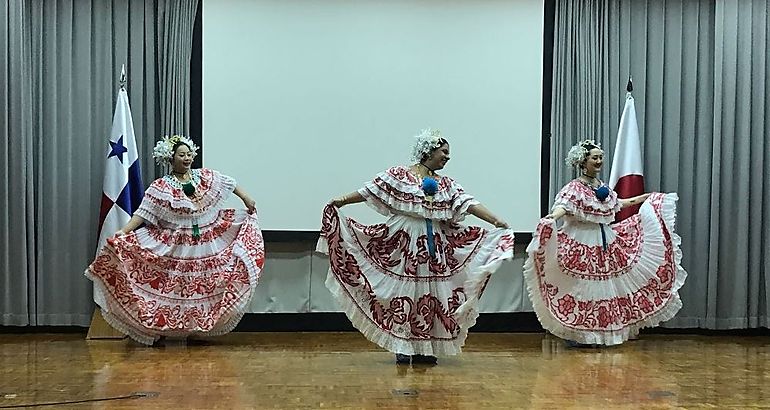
429, 186
602, 192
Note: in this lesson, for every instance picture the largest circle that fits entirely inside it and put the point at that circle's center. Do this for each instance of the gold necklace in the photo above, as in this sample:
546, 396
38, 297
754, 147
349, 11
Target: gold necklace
589, 183
430, 172
183, 177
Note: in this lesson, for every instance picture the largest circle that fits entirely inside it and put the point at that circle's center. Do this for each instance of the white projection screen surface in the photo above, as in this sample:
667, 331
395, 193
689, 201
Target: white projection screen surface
306, 100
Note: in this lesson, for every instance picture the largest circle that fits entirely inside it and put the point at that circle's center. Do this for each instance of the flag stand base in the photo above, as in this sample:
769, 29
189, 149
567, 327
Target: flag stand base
101, 330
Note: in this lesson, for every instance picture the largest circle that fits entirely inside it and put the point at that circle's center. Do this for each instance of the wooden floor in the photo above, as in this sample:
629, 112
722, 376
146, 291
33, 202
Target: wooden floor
342, 370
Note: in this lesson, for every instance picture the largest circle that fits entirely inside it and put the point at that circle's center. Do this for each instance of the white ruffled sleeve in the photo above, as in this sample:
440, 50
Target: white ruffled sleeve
148, 210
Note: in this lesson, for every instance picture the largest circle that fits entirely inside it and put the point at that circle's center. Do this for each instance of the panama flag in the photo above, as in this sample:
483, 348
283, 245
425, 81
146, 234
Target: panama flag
626, 177
123, 188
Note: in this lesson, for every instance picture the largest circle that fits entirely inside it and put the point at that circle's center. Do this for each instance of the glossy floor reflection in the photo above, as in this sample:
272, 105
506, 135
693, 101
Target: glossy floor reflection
343, 370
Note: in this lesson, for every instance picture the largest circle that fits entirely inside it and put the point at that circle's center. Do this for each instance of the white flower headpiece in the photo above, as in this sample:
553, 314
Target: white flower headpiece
579, 152
164, 149
427, 141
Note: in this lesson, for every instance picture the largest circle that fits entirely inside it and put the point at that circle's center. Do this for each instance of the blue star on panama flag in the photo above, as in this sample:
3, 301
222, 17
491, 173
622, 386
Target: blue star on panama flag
118, 149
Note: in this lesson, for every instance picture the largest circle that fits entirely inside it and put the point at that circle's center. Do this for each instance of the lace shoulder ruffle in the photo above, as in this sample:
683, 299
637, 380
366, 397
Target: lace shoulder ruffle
399, 190
165, 200
580, 201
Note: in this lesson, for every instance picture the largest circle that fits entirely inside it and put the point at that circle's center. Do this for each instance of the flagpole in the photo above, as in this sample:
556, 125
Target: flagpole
122, 80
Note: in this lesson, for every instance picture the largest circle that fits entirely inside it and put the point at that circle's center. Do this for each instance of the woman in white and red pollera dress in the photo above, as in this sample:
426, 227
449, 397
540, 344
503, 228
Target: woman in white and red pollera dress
412, 284
193, 268
592, 283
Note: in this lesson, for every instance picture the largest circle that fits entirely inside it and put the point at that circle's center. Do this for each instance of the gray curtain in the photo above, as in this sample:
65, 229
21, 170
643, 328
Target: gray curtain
17, 250
60, 80
699, 70
739, 202
175, 36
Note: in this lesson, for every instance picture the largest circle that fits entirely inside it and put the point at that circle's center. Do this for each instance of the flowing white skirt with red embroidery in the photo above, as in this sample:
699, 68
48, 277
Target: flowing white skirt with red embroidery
163, 282
399, 297
583, 292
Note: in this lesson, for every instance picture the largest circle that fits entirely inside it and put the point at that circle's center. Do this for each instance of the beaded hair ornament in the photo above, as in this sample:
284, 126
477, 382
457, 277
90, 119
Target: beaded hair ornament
164, 148
427, 141
579, 152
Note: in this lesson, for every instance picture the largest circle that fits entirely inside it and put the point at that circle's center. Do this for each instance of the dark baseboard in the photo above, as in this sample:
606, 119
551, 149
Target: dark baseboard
338, 322
42, 329
761, 331
322, 322
518, 322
